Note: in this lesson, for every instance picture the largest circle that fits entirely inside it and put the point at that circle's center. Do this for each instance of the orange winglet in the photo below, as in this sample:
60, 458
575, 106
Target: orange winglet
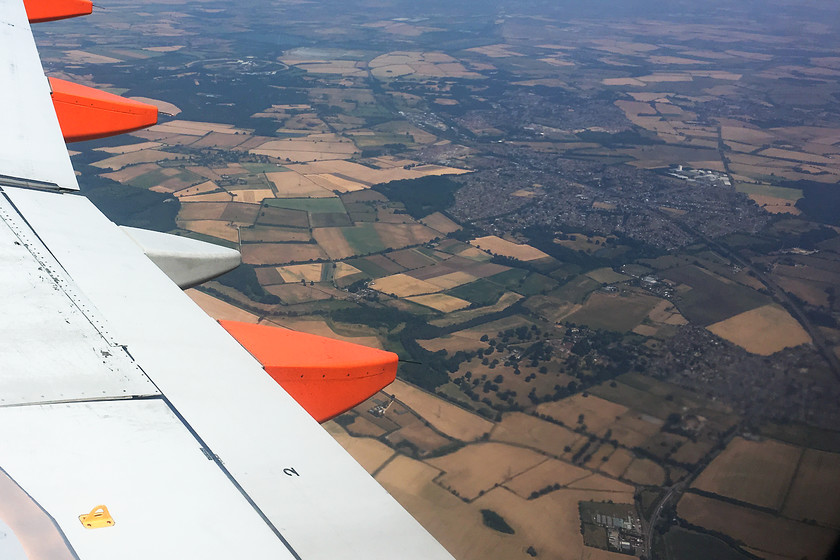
325, 376
50, 10
85, 113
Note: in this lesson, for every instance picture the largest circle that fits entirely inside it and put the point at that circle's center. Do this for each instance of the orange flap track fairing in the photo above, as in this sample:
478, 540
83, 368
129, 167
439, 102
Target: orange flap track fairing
85, 113
325, 376
39, 11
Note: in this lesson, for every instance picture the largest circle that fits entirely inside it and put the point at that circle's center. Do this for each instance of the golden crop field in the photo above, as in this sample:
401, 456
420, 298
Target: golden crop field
333, 242
448, 418
213, 228
403, 285
116, 163
644, 472
754, 472
815, 479
439, 222
457, 525
219, 309
546, 473
477, 468
368, 452
280, 253
523, 429
598, 414
760, 531
764, 330
498, 246
441, 302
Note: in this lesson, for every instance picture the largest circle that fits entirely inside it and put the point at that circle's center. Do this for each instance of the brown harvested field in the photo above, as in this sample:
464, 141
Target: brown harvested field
812, 292
280, 253
397, 236
546, 473
333, 242
219, 140
645, 472
219, 309
402, 285
440, 302
197, 128
411, 258
384, 263
448, 418
202, 211
550, 523
634, 429
269, 216
419, 435
116, 163
439, 222
815, 488
201, 188
764, 330
268, 234
452, 343
796, 156
617, 463
213, 228
455, 524
297, 293
692, 452
600, 483
342, 270
507, 299
129, 173
84, 57
251, 196
295, 273
223, 196
268, 275
331, 182
321, 328
451, 280
754, 472
362, 427
294, 185
775, 205
368, 452
476, 468
243, 214
498, 246
760, 531
129, 148
598, 414
523, 429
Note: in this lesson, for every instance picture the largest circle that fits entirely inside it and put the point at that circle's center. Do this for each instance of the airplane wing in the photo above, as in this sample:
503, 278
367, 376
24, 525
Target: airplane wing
133, 425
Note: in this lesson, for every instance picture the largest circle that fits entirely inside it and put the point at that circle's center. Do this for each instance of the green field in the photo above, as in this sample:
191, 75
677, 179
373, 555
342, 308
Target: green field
363, 238
769, 190
576, 290
263, 167
329, 219
510, 279
688, 545
535, 283
313, 205
614, 313
711, 299
156, 177
481, 292
371, 269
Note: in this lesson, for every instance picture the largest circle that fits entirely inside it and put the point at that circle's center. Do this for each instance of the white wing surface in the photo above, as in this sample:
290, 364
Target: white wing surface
117, 390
